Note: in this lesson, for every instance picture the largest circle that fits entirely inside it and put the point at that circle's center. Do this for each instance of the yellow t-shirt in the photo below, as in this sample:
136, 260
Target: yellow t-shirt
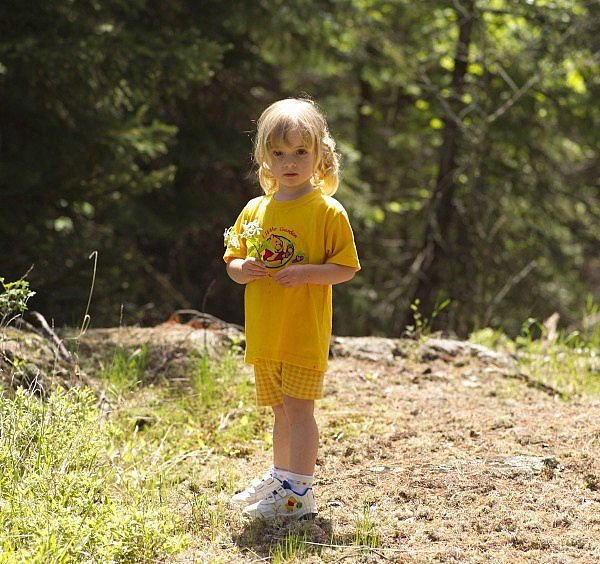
293, 325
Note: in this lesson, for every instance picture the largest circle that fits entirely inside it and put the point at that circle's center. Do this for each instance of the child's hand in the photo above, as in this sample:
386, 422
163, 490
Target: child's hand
291, 276
253, 269
246, 270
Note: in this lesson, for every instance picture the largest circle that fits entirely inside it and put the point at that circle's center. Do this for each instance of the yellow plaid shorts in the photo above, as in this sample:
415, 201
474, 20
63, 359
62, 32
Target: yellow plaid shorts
274, 379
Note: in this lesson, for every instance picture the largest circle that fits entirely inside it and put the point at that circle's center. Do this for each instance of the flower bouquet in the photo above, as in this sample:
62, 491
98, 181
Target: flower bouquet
252, 234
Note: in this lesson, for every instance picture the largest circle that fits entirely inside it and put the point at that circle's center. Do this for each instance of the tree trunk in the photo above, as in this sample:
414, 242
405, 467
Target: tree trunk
437, 248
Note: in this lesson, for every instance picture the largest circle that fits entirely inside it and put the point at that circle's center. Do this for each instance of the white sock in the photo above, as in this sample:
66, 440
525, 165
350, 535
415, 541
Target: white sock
299, 482
279, 473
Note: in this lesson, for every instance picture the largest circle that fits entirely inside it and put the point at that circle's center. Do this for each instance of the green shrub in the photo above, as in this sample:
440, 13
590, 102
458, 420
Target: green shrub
13, 298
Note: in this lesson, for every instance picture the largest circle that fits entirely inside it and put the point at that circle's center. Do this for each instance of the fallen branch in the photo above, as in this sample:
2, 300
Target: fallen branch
62, 351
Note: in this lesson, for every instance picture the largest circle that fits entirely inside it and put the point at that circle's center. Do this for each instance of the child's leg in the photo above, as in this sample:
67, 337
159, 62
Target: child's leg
281, 439
303, 435
295, 447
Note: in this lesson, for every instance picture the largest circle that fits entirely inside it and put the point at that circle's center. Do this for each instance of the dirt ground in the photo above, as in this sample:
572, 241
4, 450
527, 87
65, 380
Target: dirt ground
437, 454
461, 464
449, 461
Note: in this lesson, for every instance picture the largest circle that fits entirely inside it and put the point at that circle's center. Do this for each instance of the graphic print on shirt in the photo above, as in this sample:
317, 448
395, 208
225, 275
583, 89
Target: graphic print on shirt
282, 248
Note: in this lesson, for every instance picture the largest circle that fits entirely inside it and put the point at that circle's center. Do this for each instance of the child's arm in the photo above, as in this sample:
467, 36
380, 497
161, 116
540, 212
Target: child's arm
324, 274
246, 270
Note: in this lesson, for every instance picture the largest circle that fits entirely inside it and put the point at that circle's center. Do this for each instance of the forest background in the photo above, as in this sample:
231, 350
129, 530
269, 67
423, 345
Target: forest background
468, 131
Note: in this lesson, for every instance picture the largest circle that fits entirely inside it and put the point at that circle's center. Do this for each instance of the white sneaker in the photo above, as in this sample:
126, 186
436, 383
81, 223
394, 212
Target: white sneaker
258, 489
284, 503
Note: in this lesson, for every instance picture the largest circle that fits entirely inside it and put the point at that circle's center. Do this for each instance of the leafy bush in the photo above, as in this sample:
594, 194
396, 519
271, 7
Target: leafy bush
13, 298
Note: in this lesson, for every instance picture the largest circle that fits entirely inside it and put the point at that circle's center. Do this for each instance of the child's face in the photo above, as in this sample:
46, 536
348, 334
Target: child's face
292, 164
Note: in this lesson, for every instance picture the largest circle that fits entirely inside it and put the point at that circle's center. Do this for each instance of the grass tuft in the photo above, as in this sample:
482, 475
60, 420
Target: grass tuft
125, 370
292, 547
366, 531
569, 361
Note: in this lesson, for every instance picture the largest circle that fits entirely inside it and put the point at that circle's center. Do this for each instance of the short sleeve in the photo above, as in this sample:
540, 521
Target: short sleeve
339, 242
232, 252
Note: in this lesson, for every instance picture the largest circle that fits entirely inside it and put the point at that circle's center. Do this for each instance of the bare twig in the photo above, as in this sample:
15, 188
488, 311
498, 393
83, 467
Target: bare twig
514, 99
532, 383
167, 285
86, 317
502, 72
63, 352
378, 550
208, 291
537, 77
460, 8
449, 113
508, 286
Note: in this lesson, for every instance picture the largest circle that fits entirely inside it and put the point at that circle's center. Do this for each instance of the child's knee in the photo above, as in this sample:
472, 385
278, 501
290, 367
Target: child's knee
298, 409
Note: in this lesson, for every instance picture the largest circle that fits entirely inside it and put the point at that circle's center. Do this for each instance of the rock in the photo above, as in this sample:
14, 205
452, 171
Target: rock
522, 464
181, 336
169, 347
31, 361
376, 349
447, 349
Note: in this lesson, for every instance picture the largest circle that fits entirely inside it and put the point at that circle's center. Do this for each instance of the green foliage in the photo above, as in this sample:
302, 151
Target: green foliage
207, 384
493, 338
366, 531
422, 326
92, 487
13, 298
568, 361
216, 385
97, 88
292, 547
60, 501
125, 370
590, 327
468, 132
208, 517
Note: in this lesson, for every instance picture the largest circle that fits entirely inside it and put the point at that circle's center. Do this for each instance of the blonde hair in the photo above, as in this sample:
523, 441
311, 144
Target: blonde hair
273, 127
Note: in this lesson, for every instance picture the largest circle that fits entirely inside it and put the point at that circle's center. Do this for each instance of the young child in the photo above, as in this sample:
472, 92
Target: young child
289, 247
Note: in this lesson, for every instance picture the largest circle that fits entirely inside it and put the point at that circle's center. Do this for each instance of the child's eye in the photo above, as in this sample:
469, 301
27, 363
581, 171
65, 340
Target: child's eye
302, 152
277, 153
